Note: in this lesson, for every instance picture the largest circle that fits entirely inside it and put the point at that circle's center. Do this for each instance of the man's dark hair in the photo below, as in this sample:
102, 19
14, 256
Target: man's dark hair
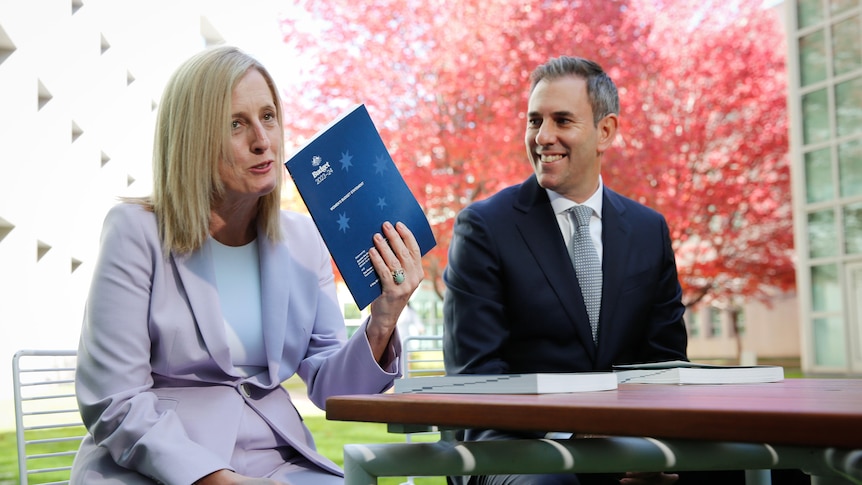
601, 90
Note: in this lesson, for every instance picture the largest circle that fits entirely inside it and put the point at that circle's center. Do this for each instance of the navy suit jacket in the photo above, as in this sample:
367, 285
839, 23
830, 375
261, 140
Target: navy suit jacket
513, 304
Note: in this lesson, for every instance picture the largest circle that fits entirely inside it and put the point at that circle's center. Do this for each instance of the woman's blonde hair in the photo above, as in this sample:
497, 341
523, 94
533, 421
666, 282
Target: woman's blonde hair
192, 137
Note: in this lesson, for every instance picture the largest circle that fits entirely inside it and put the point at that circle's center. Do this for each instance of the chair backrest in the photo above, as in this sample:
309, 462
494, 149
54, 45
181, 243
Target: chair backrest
48, 427
422, 356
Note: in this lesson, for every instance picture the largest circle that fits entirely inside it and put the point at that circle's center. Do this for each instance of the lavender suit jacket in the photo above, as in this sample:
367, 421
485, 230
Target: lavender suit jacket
155, 384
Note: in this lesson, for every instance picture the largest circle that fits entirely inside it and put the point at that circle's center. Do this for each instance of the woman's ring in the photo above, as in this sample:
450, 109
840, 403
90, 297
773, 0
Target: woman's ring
398, 276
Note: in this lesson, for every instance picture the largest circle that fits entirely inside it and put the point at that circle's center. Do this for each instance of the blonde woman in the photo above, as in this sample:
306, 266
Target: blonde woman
206, 297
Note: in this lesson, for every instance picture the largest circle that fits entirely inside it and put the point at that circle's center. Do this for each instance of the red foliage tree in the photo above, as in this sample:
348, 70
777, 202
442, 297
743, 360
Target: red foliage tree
711, 150
703, 135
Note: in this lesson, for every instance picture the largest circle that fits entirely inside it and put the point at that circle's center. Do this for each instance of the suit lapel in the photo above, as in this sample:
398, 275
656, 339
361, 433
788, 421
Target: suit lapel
275, 268
197, 276
616, 240
539, 228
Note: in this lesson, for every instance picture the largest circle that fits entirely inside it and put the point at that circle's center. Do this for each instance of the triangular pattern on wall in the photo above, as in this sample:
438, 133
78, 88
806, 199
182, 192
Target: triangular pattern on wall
44, 95
153, 105
210, 34
105, 159
76, 5
129, 180
5, 228
41, 250
105, 44
130, 78
75, 264
76, 131
7, 47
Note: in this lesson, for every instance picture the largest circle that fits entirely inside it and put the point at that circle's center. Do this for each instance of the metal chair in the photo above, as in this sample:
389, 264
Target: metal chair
48, 426
420, 356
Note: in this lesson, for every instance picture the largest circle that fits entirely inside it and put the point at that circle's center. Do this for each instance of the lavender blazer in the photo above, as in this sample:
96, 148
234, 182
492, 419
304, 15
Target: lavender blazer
155, 384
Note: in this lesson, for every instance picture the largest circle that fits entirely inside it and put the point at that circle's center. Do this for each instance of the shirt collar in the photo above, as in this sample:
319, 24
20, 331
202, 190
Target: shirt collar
561, 204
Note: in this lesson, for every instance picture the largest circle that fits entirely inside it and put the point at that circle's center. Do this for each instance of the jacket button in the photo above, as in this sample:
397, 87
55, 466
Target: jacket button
246, 390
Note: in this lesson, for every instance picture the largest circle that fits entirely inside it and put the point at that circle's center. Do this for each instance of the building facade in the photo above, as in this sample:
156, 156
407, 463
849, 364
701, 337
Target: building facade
80, 81
756, 332
825, 102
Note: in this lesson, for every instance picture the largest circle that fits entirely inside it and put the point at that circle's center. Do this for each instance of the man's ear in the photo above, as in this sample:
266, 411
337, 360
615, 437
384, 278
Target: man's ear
607, 132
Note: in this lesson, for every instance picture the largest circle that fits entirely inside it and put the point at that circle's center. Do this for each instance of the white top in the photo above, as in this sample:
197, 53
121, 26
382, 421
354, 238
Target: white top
561, 205
237, 271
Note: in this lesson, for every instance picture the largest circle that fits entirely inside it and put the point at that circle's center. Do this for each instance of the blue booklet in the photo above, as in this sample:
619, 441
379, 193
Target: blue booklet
351, 186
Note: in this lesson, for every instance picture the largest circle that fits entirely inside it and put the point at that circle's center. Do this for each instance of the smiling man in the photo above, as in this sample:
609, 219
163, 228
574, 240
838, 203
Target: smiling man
532, 287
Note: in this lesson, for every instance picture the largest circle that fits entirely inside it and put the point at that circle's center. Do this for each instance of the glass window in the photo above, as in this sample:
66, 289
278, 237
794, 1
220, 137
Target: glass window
809, 12
815, 117
714, 322
853, 228
822, 235
825, 292
848, 107
847, 45
818, 176
840, 6
740, 321
812, 58
829, 342
692, 322
850, 168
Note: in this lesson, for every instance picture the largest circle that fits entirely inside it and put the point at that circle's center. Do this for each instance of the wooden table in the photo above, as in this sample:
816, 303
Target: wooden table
813, 424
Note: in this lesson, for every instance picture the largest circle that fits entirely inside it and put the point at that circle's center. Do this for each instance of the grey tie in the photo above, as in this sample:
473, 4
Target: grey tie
585, 258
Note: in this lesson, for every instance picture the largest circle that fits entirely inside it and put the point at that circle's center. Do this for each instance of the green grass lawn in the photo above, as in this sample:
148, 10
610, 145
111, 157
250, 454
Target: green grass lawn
330, 436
